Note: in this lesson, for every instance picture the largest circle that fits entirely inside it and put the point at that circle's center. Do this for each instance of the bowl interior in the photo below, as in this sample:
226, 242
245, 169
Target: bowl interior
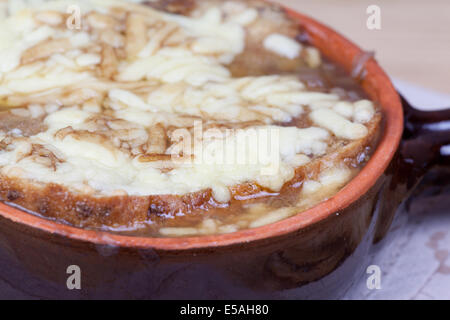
377, 85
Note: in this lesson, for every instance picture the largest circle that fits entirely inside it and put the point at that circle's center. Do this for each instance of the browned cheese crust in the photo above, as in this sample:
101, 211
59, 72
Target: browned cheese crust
94, 211
56, 201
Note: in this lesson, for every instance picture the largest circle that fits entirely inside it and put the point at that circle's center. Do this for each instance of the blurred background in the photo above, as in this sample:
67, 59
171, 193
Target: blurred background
413, 44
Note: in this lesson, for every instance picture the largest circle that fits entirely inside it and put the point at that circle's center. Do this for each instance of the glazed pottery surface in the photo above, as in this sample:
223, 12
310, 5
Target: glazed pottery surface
315, 254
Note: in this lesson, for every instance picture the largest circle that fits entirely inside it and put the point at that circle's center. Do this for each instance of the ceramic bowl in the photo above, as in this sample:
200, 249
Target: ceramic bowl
315, 254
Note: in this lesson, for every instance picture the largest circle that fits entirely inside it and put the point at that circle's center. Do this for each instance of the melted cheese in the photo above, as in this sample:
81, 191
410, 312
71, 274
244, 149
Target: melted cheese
220, 161
341, 127
100, 140
213, 34
211, 41
283, 46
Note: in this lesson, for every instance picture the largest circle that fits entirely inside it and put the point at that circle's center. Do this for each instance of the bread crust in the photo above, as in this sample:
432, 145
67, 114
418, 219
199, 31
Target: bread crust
88, 210
91, 210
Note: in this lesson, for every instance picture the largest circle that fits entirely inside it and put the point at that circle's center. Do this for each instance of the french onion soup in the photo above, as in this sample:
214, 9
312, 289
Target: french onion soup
172, 118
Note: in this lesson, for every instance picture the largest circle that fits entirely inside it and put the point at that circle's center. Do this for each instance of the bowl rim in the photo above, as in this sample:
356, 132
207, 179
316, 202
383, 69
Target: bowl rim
358, 186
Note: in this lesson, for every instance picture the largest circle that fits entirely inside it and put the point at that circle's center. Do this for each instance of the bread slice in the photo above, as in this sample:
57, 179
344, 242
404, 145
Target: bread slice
86, 210
90, 140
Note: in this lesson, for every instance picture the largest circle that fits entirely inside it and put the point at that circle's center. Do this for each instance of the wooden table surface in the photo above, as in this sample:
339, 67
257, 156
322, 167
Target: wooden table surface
413, 43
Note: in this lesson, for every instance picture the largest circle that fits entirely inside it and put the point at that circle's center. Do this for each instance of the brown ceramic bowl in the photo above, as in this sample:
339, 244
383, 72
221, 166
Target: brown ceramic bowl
315, 254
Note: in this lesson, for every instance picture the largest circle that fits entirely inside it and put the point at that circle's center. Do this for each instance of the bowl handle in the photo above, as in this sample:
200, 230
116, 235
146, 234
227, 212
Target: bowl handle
425, 134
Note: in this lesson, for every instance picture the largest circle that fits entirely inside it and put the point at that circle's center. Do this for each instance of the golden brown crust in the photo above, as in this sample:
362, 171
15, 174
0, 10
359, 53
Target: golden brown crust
92, 211
81, 210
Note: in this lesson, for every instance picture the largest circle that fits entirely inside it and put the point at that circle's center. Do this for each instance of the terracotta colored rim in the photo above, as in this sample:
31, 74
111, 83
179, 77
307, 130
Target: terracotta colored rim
378, 86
